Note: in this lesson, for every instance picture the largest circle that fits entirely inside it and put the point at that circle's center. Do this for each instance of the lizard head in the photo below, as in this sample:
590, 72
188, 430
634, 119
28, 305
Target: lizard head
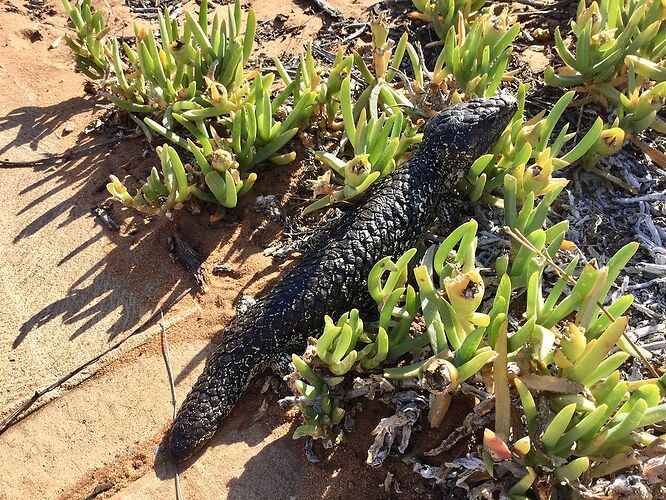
461, 133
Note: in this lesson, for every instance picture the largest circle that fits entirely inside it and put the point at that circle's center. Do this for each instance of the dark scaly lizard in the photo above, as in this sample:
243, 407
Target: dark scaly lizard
332, 278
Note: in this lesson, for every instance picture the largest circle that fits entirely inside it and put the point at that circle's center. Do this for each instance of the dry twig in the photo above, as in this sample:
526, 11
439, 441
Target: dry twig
172, 386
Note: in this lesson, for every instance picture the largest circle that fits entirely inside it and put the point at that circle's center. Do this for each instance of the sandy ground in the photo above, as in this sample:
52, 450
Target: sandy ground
70, 287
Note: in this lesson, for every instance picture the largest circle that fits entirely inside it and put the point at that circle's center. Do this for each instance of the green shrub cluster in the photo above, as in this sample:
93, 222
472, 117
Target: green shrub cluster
568, 344
190, 85
619, 59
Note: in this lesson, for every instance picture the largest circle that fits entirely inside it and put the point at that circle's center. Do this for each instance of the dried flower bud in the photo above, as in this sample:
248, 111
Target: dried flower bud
357, 169
610, 141
439, 377
223, 160
573, 343
322, 184
465, 292
379, 32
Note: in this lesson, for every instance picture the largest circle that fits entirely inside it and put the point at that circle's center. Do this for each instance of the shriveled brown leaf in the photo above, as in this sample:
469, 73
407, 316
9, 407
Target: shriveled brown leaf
470, 471
629, 487
390, 429
654, 470
497, 447
655, 155
656, 448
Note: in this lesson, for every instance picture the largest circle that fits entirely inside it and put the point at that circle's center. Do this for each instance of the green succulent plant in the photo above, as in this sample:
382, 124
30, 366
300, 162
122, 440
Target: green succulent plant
379, 144
568, 343
618, 59
449, 293
607, 32
638, 104
218, 181
586, 417
636, 109
600, 428
180, 65
91, 45
383, 122
474, 58
256, 134
529, 151
192, 84
444, 14
379, 94
379, 124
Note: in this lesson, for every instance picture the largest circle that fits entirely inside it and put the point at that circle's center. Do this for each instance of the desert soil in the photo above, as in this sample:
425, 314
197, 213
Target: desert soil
70, 287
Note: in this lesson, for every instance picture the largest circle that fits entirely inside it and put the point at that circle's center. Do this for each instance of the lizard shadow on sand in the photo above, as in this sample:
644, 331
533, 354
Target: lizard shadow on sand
245, 426
275, 471
341, 472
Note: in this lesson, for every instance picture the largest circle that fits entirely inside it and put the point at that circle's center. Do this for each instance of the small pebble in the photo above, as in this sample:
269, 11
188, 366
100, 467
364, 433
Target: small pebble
68, 128
55, 43
222, 269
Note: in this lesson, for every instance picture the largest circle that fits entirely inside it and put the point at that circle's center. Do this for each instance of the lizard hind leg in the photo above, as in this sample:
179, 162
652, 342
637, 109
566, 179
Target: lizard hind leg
281, 364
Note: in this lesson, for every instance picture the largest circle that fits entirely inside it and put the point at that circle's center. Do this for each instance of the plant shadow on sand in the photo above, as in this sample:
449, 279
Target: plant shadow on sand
115, 277
36, 123
135, 274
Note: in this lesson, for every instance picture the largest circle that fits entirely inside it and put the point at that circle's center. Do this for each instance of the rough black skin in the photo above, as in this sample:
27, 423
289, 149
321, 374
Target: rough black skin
332, 278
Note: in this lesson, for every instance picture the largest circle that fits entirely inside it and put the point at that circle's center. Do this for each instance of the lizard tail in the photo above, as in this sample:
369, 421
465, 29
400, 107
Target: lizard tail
225, 377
